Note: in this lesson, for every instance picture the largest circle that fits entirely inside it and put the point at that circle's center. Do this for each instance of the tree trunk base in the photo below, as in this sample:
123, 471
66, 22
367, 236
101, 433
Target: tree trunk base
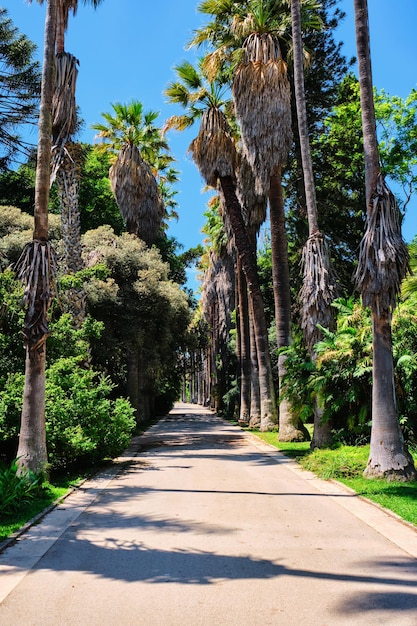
267, 426
400, 469
255, 422
294, 434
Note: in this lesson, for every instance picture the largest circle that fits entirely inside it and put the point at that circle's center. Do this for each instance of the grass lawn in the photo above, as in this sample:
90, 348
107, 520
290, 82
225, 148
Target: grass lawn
346, 465
51, 492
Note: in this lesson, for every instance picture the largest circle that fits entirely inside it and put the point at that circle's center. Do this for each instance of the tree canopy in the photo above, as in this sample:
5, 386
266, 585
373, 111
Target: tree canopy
19, 90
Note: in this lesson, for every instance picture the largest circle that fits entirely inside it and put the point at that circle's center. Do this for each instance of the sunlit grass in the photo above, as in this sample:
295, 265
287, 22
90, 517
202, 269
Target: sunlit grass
9, 524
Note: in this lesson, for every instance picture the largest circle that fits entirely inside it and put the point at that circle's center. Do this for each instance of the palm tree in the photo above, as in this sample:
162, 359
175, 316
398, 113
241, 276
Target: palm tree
383, 263
261, 94
218, 296
319, 286
64, 121
247, 35
214, 152
67, 156
140, 153
35, 268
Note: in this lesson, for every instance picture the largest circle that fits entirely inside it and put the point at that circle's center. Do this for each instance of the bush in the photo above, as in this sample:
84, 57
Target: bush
16, 491
82, 424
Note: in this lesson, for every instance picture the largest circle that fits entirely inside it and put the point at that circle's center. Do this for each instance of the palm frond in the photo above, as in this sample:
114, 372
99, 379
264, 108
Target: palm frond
213, 149
383, 254
36, 268
318, 291
261, 93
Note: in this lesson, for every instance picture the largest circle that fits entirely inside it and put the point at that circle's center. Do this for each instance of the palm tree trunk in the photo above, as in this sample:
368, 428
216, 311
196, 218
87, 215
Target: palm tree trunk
244, 346
32, 453
255, 393
388, 455
290, 427
60, 28
266, 384
132, 382
314, 313
68, 186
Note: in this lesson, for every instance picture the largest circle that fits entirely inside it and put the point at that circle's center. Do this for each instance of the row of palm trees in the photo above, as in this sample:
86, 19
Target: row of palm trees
241, 148
245, 54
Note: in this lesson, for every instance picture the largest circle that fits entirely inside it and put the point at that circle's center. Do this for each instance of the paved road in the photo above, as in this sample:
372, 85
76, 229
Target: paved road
205, 525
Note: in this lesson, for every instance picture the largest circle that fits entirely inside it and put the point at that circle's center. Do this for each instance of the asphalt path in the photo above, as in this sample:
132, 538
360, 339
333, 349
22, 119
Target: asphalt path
200, 523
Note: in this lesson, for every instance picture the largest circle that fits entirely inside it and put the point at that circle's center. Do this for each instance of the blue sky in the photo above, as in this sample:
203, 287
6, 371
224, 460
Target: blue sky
127, 50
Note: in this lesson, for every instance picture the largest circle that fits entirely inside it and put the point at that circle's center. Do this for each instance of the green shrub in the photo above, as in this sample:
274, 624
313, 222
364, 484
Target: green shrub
82, 424
16, 491
341, 377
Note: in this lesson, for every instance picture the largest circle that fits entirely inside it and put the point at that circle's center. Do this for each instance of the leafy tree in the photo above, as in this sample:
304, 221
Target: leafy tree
96, 200
397, 142
151, 311
342, 373
84, 424
19, 89
17, 187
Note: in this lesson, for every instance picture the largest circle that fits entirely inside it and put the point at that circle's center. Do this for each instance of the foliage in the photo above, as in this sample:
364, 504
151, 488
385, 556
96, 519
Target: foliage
96, 201
19, 88
46, 496
396, 128
17, 188
11, 322
151, 310
342, 375
83, 424
16, 230
337, 151
16, 490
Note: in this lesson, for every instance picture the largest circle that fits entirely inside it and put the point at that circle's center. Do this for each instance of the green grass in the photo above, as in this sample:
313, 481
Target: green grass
346, 464
51, 492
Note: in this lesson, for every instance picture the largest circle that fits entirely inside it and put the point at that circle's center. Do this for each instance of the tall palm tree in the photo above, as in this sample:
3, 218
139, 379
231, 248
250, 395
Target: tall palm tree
247, 35
35, 268
254, 214
383, 263
67, 156
214, 152
218, 296
319, 285
261, 93
64, 121
140, 153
